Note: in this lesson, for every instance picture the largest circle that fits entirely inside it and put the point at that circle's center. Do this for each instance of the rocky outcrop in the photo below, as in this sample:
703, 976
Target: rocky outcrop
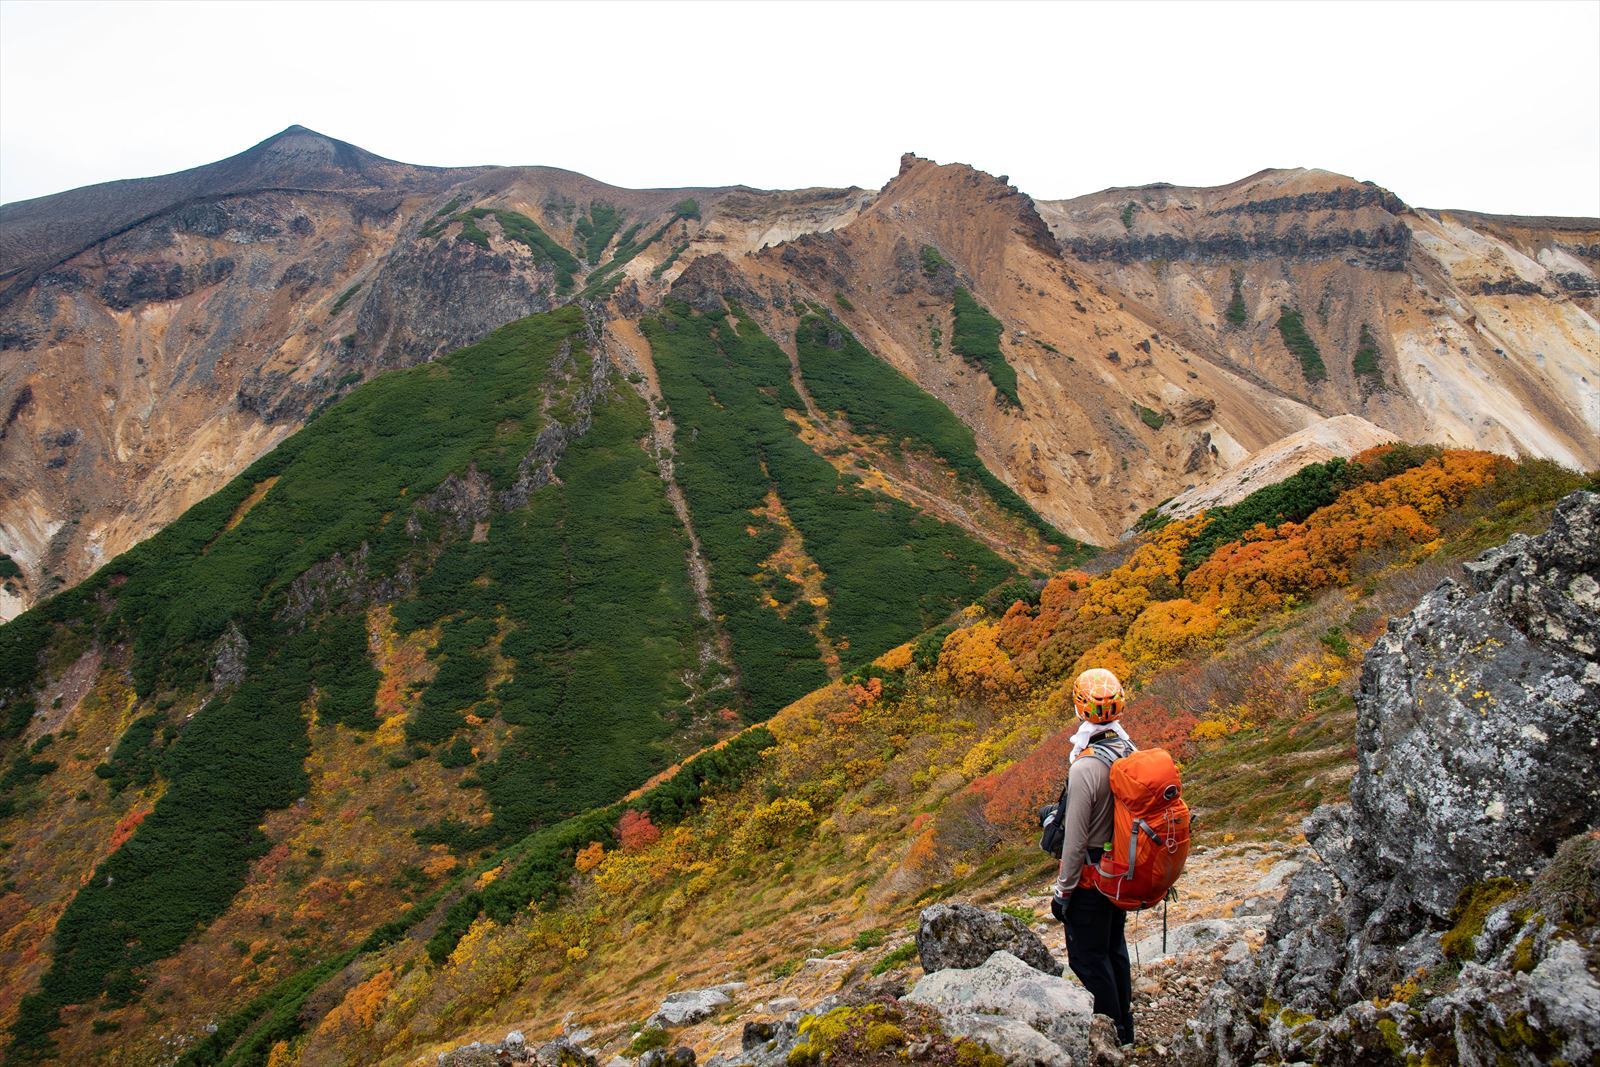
708, 280
1478, 725
564, 1051
228, 658
1349, 198
1379, 248
965, 936
141, 283
437, 294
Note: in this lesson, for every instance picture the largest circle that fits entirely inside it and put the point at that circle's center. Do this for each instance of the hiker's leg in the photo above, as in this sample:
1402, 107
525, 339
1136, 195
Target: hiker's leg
1089, 950
1122, 974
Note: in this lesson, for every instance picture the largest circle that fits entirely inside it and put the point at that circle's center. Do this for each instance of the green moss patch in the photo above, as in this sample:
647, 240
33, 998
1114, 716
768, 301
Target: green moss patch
1472, 907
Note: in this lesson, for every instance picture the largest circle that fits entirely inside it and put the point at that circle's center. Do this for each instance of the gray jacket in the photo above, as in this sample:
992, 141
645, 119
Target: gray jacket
1089, 811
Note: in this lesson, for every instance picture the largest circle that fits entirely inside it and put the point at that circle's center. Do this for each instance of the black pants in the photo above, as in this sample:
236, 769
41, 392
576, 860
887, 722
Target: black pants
1097, 951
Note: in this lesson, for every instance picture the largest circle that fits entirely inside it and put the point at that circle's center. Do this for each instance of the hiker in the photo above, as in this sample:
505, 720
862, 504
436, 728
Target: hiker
1097, 950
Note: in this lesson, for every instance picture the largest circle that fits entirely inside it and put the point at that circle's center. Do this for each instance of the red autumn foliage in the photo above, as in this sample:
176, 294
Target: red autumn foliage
636, 831
126, 826
1013, 795
1152, 723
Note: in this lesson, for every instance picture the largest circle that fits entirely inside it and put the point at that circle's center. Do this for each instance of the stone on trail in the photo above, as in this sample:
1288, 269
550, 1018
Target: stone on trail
1201, 936
964, 935
1016, 1042
1055, 1008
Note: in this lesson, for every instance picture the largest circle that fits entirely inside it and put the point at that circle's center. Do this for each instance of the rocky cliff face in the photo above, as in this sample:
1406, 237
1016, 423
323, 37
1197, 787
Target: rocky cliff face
1437, 326
1469, 841
1356, 221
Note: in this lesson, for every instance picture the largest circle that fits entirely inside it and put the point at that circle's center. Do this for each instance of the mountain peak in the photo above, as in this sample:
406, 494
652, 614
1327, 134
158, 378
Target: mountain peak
298, 155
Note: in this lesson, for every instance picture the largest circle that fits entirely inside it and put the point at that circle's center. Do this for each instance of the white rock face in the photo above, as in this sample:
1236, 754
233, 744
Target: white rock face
1004, 985
1342, 435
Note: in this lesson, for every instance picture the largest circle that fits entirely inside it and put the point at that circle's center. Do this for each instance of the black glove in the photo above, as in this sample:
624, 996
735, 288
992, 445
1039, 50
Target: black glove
1058, 908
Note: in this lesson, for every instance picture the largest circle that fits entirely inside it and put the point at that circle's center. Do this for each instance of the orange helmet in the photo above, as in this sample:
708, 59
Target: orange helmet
1097, 696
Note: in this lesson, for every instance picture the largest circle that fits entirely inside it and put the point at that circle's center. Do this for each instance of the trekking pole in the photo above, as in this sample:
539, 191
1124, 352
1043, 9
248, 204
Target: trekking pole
1164, 926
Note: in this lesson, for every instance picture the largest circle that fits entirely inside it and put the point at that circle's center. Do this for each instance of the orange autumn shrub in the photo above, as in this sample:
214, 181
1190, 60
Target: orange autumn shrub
1262, 570
359, 1009
589, 857
973, 663
861, 696
1169, 629
1154, 723
1012, 795
126, 826
1150, 574
1025, 627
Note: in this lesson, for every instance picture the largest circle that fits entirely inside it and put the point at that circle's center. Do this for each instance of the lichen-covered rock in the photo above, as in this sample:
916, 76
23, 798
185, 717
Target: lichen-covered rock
1477, 735
682, 1056
1015, 1041
964, 935
1223, 1033
477, 1054
1480, 718
1494, 1016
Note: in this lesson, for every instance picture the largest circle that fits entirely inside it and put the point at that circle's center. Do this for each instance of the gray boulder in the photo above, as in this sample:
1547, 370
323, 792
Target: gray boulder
560, 1052
477, 1054
1005, 987
1015, 1041
964, 935
691, 1005
763, 1044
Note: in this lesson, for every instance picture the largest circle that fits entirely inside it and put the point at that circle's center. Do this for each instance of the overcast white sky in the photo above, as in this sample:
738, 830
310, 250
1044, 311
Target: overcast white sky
1488, 106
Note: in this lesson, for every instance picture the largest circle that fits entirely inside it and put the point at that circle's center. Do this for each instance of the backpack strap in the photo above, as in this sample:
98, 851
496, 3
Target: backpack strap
1108, 748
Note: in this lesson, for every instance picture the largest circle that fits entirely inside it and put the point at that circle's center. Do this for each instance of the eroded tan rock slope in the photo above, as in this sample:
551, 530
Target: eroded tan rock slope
161, 334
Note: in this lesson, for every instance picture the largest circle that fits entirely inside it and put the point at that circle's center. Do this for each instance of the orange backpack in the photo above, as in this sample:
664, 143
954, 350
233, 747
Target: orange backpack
1150, 832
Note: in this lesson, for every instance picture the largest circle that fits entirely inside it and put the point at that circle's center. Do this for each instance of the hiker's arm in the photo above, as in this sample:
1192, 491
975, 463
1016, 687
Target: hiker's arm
1075, 840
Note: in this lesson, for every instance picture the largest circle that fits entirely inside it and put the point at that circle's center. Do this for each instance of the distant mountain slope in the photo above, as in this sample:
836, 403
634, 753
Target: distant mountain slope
160, 334
457, 607
1464, 329
38, 234
1105, 352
